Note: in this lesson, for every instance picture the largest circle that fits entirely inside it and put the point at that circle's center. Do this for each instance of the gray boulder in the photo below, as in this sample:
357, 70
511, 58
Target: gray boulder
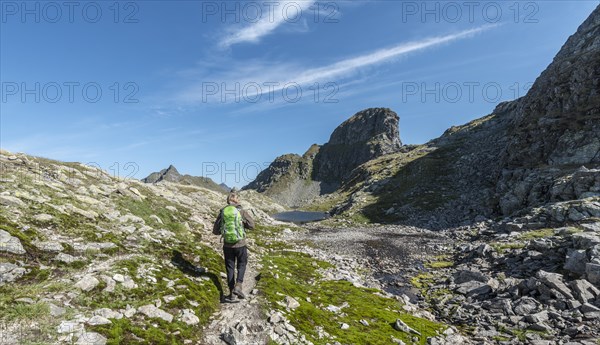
584, 290
592, 272
87, 283
10, 244
151, 310
576, 260
10, 272
399, 325
555, 281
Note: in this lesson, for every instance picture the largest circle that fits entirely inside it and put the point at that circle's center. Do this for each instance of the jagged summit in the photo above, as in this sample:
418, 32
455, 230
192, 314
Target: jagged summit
171, 174
368, 134
295, 180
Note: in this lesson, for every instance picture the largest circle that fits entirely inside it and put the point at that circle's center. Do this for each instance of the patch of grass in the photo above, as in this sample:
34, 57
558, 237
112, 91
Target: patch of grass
573, 230
298, 276
422, 280
203, 292
360, 218
152, 206
535, 234
500, 338
501, 247
26, 311
326, 203
440, 264
35, 275
26, 237
422, 181
125, 331
269, 237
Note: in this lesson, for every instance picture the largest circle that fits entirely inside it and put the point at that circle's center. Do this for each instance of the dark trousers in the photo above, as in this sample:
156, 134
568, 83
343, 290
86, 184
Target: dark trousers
233, 255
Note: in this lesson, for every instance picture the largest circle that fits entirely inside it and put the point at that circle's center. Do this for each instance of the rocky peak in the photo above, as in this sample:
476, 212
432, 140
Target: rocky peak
370, 125
169, 174
295, 180
368, 134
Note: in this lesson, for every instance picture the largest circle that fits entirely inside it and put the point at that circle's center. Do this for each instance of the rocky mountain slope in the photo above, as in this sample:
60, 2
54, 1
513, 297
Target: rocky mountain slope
172, 175
539, 151
87, 258
295, 180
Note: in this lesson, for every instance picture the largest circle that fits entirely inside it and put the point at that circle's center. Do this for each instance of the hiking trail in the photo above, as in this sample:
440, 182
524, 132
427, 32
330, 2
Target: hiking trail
241, 322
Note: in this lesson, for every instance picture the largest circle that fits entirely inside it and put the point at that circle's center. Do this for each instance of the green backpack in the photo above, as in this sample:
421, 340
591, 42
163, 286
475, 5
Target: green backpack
232, 226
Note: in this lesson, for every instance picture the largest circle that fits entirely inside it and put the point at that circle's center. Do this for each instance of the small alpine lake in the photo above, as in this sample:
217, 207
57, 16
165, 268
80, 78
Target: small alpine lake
300, 216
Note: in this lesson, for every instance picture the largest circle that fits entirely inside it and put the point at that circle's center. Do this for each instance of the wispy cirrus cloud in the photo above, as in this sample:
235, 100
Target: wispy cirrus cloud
281, 74
277, 13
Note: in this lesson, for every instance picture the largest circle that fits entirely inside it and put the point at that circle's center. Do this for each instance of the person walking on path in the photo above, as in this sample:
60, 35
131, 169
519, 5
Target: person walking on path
231, 224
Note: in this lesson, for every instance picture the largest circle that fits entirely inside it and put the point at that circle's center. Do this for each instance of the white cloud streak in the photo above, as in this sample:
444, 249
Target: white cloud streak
280, 12
285, 73
343, 67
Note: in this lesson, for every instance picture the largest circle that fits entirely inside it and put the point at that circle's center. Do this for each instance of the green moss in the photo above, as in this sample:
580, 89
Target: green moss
125, 331
152, 206
297, 275
535, 234
421, 180
360, 218
205, 293
269, 237
422, 280
440, 264
26, 237
26, 311
36, 275
501, 247
500, 338
573, 230
326, 203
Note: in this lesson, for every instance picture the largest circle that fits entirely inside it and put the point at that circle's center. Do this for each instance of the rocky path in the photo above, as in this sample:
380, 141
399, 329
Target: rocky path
392, 254
387, 256
241, 320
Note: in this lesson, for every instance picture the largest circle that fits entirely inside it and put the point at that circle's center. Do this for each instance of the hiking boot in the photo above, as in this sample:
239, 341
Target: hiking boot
230, 298
237, 290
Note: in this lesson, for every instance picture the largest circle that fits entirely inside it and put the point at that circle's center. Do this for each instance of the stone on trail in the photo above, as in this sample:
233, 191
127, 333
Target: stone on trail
48, 246
66, 258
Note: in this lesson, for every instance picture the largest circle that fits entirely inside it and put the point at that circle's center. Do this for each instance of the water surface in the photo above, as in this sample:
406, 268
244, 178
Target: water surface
300, 216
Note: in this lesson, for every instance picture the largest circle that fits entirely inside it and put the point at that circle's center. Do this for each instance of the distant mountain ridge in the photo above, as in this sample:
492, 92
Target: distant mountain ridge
171, 174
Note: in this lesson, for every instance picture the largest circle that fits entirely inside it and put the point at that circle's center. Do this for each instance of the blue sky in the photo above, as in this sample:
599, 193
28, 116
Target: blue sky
222, 88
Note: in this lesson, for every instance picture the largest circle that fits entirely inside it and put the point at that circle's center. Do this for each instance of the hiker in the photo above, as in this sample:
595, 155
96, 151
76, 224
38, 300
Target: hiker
230, 224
